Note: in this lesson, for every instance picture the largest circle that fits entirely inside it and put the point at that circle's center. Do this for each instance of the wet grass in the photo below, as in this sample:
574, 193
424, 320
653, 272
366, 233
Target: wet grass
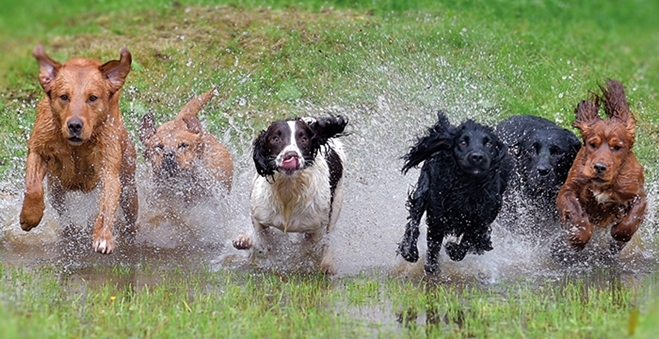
49, 302
278, 58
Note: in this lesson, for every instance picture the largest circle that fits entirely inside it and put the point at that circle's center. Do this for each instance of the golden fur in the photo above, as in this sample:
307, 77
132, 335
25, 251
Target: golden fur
79, 142
181, 152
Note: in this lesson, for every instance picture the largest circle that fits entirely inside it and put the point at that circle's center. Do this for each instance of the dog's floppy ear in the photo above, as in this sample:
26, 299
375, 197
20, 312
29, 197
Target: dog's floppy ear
48, 68
193, 124
147, 128
616, 106
439, 138
116, 71
260, 156
195, 105
326, 128
587, 113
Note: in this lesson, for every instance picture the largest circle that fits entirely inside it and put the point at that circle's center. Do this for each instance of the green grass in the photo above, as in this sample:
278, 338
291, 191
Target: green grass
48, 302
527, 57
278, 58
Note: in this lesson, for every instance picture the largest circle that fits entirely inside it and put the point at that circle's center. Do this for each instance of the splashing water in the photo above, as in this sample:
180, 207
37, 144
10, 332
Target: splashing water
401, 107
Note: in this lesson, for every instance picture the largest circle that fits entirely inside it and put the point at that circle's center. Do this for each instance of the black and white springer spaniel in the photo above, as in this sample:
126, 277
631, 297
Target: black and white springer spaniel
299, 185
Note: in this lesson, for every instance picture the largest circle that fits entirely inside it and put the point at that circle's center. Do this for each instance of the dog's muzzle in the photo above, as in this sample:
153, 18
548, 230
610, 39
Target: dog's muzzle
75, 125
169, 162
291, 162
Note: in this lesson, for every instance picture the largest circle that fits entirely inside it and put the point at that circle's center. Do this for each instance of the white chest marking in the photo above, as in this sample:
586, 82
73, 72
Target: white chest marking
601, 197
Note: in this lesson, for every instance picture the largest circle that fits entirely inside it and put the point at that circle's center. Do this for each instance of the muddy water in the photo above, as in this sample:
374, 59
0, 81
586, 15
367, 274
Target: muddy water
373, 215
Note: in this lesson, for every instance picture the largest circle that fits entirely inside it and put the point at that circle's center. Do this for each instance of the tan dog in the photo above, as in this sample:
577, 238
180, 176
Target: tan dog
185, 159
79, 142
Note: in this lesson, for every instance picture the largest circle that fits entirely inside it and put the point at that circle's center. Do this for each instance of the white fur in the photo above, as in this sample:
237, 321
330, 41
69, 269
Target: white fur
601, 197
298, 203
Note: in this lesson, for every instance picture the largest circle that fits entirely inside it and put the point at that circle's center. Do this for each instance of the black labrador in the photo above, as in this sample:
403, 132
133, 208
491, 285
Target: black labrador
543, 153
460, 187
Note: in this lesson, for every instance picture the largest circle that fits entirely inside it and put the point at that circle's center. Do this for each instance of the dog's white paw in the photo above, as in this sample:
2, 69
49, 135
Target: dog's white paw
104, 246
242, 242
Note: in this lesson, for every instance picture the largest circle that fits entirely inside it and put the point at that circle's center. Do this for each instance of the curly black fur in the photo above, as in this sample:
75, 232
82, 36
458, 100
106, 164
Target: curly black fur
464, 174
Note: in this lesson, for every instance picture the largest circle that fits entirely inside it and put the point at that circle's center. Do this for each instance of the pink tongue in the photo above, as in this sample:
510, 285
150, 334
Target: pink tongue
290, 164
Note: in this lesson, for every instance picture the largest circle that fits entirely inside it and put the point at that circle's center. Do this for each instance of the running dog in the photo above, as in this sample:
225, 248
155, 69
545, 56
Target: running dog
604, 187
299, 185
79, 142
460, 187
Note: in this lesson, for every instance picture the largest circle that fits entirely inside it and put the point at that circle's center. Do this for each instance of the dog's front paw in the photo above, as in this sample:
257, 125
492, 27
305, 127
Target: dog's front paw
242, 242
431, 267
616, 246
104, 245
31, 213
456, 251
576, 240
408, 250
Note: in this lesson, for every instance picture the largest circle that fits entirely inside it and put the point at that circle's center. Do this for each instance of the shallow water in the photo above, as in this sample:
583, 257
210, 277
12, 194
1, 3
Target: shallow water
373, 215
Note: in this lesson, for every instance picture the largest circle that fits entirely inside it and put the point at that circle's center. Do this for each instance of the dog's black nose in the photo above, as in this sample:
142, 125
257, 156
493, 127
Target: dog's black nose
75, 126
599, 168
543, 171
169, 155
477, 157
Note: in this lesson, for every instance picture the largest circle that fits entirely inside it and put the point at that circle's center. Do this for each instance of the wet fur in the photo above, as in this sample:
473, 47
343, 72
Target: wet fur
307, 200
186, 160
604, 187
542, 153
460, 189
79, 142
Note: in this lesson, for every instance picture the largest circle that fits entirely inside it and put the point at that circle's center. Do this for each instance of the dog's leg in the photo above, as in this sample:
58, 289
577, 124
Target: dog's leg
327, 261
129, 199
319, 243
416, 204
435, 238
33, 202
623, 231
102, 238
572, 214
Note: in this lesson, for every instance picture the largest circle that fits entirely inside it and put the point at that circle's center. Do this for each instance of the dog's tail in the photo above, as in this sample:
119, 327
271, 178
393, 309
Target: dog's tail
437, 138
195, 105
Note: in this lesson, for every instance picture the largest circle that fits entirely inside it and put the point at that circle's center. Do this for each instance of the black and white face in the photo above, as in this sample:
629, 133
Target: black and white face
286, 147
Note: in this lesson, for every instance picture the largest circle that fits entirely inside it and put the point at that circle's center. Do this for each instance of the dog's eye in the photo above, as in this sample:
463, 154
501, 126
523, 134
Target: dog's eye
616, 148
275, 139
93, 98
488, 144
182, 146
462, 143
592, 145
160, 147
64, 97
